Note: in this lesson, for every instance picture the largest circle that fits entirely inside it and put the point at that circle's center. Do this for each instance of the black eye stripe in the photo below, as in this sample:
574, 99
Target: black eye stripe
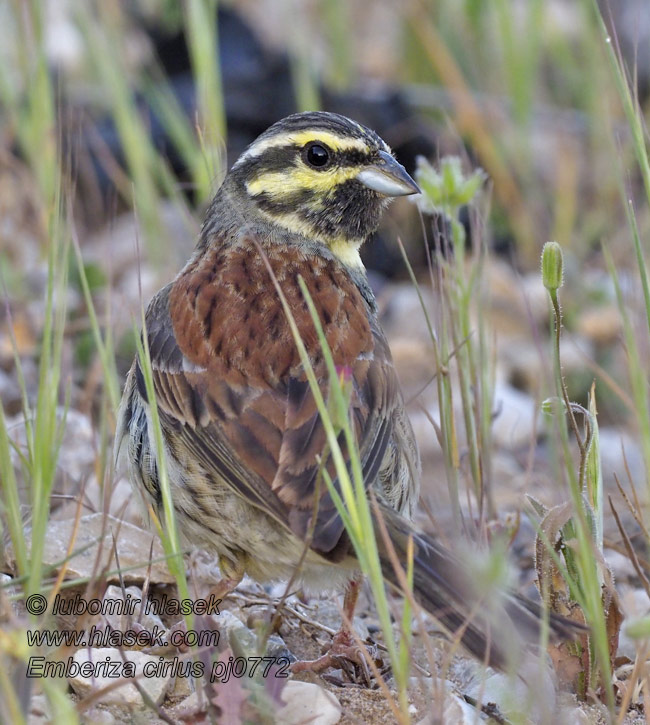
278, 158
284, 158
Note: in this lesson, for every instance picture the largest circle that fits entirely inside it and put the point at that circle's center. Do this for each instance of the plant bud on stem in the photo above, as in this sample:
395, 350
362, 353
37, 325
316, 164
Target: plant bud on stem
552, 264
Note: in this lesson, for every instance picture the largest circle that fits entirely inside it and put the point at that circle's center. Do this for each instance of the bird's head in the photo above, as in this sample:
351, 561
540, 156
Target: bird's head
323, 176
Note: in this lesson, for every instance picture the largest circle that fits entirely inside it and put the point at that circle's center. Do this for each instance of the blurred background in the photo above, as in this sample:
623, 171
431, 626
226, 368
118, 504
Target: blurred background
147, 104
119, 119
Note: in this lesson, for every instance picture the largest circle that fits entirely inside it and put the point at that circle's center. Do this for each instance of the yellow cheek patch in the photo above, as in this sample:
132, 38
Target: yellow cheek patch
277, 184
293, 223
346, 250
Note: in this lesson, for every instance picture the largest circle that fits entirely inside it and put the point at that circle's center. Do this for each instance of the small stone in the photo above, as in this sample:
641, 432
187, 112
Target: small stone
9, 607
402, 316
573, 712
306, 702
276, 647
514, 422
9, 392
259, 616
40, 712
619, 451
635, 605
455, 709
77, 452
182, 688
601, 325
98, 716
133, 546
575, 716
122, 622
127, 694
525, 370
278, 590
194, 703
241, 640
120, 501
510, 693
414, 361
458, 711
361, 628
513, 300
620, 566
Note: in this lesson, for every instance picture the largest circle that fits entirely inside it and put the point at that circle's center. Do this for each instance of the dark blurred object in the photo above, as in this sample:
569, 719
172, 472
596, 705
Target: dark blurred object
256, 82
258, 90
628, 22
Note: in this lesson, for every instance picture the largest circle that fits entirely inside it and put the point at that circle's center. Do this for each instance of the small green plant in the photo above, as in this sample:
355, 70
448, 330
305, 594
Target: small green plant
573, 579
459, 339
44, 423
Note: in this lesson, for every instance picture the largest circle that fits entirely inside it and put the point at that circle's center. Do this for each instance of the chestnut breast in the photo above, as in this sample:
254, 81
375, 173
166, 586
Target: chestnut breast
228, 318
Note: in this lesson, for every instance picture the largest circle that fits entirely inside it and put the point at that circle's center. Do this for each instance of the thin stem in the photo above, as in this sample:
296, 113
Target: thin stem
563, 389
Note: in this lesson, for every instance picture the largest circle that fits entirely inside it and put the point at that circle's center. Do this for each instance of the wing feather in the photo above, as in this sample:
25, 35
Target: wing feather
240, 404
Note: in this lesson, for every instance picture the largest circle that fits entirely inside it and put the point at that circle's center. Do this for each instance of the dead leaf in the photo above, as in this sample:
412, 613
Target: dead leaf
230, 696
274, 686
613, 623
571, 658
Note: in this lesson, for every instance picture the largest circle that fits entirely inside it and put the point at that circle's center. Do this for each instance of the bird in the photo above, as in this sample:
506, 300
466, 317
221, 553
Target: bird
243, 439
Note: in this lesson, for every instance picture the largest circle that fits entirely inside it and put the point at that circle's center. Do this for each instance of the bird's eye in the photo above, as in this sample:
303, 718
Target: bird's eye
317, 155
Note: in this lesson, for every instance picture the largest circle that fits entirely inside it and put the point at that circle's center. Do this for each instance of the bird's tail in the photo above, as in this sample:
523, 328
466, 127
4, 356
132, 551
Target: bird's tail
493, 631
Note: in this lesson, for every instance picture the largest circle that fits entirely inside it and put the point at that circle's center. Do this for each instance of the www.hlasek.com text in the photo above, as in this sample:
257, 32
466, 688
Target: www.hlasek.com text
109, 637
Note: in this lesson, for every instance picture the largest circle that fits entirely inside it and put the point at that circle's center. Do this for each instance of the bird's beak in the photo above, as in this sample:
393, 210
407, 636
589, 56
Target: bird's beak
388, 177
